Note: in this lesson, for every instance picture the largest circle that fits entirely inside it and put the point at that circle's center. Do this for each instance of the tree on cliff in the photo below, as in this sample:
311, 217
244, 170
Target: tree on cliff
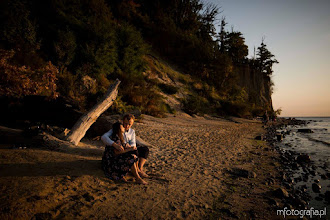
222, 34
235, 46
265, 59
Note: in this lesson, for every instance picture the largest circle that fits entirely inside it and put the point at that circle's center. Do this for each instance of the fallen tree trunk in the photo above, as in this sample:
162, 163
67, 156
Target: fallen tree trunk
10, 135
34, 137
5, 131
78, 131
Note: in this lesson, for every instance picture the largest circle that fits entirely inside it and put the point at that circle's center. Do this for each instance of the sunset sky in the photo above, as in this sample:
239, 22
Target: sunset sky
297, 32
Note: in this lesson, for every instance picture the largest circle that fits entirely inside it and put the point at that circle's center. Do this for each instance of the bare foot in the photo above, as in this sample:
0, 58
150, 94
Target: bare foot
141, 181
143, 174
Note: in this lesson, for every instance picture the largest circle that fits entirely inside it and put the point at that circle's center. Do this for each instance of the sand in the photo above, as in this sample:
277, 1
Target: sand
190, 175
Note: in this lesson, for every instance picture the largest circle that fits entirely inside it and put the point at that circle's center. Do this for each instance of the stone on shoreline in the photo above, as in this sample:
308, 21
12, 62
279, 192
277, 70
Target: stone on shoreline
273, 202
298, 179
279, 137
288, 206
243, 173
259, 137
305, 130
312, 172
316, 187
323, 176
327, 196
328, 175
297, 202
42, 216
318, 198
303, 158
281, 193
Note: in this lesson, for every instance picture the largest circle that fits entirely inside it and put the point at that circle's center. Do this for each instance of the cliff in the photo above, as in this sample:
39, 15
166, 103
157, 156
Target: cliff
257, 85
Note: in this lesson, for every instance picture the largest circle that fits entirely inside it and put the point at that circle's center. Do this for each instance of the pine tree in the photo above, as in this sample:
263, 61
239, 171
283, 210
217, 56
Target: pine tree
235, 46
265, 59
222, 34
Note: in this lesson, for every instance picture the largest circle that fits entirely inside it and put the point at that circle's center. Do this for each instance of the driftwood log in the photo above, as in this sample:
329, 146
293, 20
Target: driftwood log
10, 135
34, 137
78, 131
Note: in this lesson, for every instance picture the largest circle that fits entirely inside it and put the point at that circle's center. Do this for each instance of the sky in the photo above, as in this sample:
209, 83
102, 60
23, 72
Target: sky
297, 32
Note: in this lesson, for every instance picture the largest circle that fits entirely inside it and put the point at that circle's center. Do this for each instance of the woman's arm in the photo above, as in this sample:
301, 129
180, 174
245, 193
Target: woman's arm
125, 150
106, 138
107, 141
118, 147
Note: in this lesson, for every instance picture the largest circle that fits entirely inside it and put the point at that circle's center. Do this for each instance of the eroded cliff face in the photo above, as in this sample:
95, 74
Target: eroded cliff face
258, 86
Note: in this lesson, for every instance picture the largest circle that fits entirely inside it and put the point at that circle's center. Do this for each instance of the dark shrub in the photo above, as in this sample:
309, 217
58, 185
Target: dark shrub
235, 109
258, 111
168, 89
195, 104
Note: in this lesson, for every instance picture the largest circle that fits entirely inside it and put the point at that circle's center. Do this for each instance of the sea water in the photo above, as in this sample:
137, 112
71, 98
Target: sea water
317, 146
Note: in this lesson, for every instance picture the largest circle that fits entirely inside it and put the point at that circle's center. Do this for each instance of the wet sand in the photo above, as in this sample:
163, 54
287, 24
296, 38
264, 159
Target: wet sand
190, 168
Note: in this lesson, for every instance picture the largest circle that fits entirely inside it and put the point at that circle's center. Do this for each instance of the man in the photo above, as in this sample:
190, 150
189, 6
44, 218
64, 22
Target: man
129, 137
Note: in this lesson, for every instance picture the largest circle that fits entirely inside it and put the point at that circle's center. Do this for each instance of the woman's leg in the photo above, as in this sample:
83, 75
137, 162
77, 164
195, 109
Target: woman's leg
135, 172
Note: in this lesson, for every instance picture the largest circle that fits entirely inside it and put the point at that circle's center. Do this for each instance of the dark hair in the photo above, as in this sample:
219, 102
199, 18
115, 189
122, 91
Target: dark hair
128, 117
116, 131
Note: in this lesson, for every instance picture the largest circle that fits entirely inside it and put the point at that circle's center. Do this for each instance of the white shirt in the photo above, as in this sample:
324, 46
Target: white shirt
129, 137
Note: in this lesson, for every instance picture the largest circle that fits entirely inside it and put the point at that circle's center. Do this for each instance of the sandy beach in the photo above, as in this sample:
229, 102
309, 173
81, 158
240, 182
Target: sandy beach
193, 165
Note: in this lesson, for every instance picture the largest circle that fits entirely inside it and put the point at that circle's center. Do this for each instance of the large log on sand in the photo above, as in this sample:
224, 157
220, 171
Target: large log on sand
78, 131
10, 135
36, 138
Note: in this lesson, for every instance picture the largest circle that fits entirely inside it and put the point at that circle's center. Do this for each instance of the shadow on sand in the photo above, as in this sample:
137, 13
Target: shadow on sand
70, 168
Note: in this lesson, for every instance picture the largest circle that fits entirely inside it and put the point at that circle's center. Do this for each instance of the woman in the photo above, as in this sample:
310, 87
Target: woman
120, 158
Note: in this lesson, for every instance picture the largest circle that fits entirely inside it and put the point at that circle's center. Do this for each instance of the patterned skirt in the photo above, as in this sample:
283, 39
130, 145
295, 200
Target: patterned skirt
115, 166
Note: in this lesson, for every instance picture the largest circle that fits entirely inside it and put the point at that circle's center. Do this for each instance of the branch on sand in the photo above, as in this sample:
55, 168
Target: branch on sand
78, 131
85, 121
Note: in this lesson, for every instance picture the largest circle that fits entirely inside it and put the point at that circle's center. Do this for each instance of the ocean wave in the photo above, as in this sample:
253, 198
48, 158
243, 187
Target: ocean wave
319, 141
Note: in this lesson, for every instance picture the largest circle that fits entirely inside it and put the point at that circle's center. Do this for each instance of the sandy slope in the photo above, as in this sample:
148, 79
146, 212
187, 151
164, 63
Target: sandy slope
188, 164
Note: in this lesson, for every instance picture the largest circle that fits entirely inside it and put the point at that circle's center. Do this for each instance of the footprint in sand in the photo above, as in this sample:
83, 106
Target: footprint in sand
159, 177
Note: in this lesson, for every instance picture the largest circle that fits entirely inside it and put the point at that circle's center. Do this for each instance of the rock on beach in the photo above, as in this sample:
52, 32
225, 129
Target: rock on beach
316, 187
305, 130
281, 193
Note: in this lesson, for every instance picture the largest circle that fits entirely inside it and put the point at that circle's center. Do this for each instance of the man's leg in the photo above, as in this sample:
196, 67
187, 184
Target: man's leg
142, 161
143, 155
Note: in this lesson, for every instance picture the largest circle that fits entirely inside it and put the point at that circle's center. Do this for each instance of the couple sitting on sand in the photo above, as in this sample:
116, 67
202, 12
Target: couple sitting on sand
121, 154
